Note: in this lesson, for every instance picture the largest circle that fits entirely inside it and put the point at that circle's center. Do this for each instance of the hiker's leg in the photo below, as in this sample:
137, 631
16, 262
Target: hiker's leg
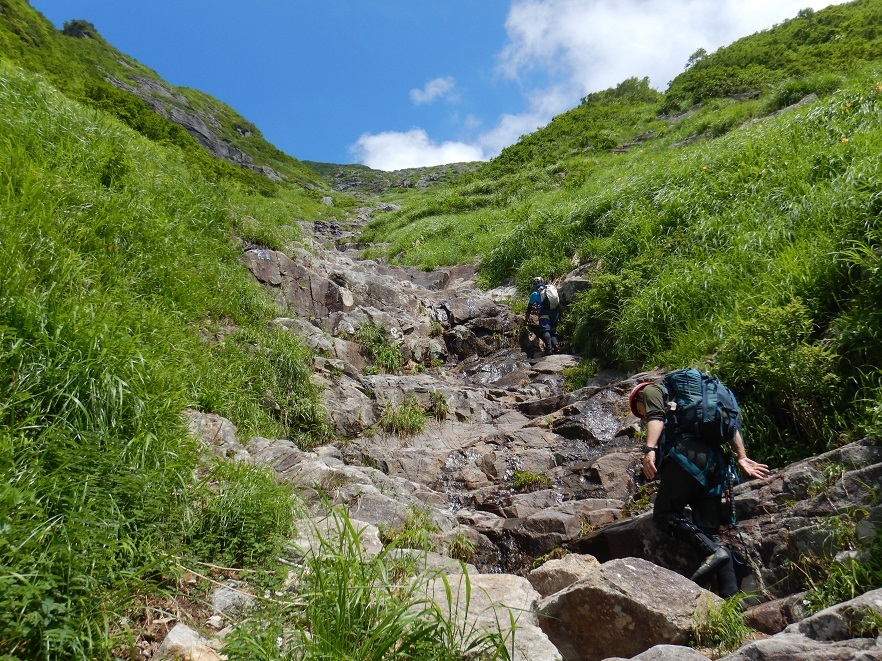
683, 489
545, 325
707, 514
672, 496
727, 580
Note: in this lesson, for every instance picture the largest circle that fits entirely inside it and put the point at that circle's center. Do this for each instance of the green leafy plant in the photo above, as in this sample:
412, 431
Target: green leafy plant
461, 548
865, 623
554, 554
404, 419
374, 341
347, 606
831, 577
830, 475
771, 358
641, 500
527, 481
245, 516
414, 532
578, 376
438, 406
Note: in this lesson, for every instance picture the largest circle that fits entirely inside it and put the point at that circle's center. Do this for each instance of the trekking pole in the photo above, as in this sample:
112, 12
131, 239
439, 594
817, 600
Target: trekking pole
730, 500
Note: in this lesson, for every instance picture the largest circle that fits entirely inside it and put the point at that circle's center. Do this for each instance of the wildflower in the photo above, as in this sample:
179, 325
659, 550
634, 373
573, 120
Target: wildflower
704, 167
877, 88
844, 140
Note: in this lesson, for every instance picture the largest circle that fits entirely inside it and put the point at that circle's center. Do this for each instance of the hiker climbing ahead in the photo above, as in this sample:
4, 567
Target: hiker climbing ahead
545, 302
690, 419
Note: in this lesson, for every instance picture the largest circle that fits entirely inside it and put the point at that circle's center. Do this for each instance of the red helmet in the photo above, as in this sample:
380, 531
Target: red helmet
632, 398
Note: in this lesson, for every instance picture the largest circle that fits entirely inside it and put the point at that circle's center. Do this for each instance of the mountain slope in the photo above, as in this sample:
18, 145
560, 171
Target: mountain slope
731, 235
82, 64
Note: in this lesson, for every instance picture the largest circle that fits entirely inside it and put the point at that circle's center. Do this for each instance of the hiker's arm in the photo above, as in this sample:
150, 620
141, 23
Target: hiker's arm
654, 429
748, 465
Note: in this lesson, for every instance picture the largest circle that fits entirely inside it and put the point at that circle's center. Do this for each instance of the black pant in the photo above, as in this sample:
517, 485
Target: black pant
677, 490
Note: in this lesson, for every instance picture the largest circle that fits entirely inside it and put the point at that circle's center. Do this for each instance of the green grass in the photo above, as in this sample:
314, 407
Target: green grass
414, 532
350, 606
242, 516
375, 343
721, 628
526, 481
830, 581
124, 303
403, 419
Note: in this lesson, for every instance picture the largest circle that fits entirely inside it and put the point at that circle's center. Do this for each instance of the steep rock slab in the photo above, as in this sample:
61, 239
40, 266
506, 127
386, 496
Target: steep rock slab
840, 622
623, 608
796, 647
296, 285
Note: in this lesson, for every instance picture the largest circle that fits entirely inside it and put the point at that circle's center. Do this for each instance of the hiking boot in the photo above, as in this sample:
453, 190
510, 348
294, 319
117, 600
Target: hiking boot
710, 565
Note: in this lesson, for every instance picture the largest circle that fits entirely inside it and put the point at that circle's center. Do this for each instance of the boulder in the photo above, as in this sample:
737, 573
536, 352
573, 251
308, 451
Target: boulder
217, 433
623, 608
231, 600
772, 616
665, 653
555, 575
315, 533
488, 603
615, 472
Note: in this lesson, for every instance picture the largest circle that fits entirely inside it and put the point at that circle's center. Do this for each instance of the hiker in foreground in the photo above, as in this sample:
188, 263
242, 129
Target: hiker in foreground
545, 303
690, 419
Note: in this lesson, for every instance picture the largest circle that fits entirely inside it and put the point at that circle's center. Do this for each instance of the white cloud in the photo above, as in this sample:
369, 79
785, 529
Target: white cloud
574, 47
435, 89
590, 45
392, 150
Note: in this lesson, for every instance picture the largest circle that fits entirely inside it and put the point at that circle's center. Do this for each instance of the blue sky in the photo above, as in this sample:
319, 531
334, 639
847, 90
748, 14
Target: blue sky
404, 83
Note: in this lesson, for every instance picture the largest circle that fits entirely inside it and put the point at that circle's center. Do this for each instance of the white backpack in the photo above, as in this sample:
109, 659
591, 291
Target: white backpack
549, 293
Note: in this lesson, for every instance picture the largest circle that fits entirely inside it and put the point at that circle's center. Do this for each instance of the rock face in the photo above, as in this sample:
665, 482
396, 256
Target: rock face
511, 468
176, 108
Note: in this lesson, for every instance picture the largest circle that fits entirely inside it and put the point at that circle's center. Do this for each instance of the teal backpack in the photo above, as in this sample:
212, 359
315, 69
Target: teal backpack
700, 406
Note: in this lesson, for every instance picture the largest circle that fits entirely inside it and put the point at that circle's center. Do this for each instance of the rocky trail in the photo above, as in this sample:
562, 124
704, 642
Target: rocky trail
537, 486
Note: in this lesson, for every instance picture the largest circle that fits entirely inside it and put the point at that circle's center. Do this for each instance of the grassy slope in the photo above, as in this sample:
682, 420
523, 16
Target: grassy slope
704, 235
78, 65
125, 302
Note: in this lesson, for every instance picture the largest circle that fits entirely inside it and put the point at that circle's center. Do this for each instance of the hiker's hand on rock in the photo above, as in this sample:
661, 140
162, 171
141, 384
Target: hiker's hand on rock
749, 466
649, 465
